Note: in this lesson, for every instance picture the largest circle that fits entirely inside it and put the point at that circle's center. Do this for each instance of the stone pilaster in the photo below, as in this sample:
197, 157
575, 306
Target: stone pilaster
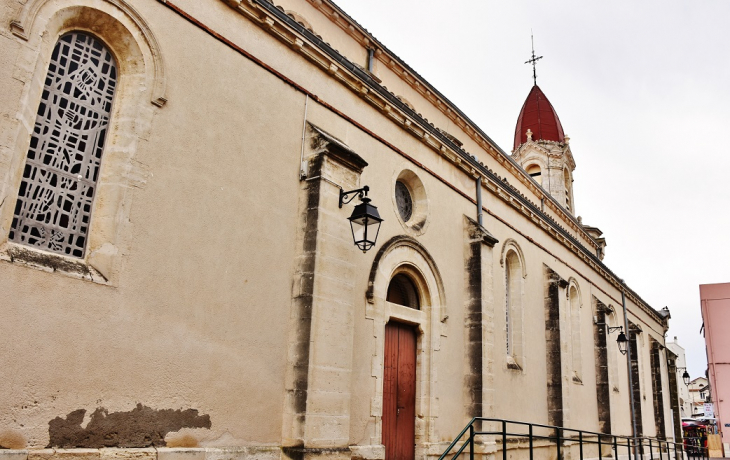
674, 393
479, 320
553, 358
318, 394
603, 390
656, 386
636, 378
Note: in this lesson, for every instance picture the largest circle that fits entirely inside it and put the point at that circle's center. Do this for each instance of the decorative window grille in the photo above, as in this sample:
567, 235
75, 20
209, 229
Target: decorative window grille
53, 211
404, 201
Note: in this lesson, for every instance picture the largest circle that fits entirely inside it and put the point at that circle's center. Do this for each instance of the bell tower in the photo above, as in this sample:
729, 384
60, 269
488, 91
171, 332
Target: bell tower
543, 150
541, 147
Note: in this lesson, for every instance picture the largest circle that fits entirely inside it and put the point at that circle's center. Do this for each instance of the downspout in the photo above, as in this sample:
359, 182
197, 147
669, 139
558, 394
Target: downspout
480, 214
628, 367
302, 165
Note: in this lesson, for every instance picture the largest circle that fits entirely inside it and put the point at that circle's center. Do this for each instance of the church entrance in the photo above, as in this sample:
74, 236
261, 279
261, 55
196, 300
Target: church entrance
399, 392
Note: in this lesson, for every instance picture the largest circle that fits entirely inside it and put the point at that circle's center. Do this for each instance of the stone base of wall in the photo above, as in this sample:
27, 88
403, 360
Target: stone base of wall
161, 453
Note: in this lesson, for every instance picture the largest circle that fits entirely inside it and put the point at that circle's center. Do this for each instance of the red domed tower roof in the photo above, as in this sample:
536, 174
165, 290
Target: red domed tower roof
539, 116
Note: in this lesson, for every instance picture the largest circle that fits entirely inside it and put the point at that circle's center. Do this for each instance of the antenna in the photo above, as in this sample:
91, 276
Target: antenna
533, 60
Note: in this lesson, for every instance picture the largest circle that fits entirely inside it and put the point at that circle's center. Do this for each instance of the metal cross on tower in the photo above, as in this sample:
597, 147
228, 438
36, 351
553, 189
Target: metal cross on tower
533, 60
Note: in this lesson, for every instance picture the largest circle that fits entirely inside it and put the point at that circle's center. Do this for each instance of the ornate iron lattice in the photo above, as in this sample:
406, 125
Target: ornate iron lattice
53, 210
404, 201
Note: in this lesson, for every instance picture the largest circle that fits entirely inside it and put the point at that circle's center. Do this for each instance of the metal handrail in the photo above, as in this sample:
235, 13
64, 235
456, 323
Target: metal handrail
635, 446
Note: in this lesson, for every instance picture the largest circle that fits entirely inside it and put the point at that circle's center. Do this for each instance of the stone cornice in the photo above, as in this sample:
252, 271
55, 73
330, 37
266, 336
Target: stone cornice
438, 100
276, 21
517, 154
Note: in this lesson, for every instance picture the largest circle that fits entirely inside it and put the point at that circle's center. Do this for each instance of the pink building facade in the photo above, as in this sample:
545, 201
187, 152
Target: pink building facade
715, 300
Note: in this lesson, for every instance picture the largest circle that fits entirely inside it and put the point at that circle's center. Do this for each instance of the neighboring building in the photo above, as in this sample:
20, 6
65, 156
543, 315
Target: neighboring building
715, 301
178, 273
685, 404
699, 393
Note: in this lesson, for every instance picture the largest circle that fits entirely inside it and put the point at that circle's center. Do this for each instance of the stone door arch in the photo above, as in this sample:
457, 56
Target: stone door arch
403, 255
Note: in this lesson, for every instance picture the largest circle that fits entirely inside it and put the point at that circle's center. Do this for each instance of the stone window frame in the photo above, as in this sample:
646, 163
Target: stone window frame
574, 323
141, 86
568, 183
514, 311
419, 220
539, 164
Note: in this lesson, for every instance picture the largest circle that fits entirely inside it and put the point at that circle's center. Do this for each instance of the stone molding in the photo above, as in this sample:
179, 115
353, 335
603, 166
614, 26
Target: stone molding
150, 453
512, 245
396, 110
417, 126
22, 26
404, 254
478, 232
428, 92
41, 23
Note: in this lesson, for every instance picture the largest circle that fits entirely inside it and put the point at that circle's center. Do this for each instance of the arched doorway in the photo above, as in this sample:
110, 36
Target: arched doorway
405, 295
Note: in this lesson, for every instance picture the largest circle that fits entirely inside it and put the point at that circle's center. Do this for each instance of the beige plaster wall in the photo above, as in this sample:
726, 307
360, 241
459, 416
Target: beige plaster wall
196, 316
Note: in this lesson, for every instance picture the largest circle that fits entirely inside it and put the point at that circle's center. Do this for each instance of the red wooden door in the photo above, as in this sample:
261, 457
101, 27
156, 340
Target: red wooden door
399, 392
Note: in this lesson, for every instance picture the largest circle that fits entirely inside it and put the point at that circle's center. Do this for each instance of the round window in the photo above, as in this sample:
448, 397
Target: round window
404, 201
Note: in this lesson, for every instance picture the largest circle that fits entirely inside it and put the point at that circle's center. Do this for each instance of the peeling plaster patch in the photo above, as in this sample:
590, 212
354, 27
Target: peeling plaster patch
10, 439
140, 427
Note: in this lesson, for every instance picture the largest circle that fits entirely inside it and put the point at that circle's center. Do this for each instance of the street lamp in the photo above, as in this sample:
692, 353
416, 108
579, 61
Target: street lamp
685, 375
365, 219
621, 340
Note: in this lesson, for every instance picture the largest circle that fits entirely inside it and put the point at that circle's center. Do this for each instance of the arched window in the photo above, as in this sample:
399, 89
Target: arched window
403, 291
513, 273
574, 305
535, 172
568, 190
55, 199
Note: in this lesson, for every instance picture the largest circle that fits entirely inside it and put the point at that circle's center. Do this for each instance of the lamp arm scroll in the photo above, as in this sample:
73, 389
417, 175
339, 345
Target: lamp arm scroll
347, 197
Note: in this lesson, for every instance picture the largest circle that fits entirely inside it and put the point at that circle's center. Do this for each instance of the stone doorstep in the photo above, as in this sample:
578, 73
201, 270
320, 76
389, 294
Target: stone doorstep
160, 453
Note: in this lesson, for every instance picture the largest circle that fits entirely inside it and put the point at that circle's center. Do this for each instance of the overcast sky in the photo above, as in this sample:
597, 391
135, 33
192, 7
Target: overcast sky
643, 91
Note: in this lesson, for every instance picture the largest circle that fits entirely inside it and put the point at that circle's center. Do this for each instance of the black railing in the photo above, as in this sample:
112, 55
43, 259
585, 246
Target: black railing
548, 436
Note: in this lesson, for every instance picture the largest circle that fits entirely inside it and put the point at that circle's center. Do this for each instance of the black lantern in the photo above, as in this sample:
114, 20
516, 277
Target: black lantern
685, 377
365, 219
621, 340
623, 343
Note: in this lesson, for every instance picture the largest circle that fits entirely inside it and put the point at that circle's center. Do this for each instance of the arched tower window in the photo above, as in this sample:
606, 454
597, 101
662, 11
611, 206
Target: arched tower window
513, 272
403, 291
535, 172
575, 317
53, 211
568, 190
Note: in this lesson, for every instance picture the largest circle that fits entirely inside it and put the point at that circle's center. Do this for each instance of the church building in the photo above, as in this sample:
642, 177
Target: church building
247, 229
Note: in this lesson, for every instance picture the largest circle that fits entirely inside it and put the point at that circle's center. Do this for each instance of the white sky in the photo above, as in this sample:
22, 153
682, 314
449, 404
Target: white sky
643, 91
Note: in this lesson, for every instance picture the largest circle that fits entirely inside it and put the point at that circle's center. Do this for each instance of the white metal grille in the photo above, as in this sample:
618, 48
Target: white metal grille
53, 210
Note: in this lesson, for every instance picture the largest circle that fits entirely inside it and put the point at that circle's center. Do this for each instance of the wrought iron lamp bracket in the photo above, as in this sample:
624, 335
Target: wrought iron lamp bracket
614, 329
347, 197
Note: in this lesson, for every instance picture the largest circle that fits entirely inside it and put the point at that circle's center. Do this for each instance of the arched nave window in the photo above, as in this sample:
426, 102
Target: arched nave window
56, 195
574, 305
514, 274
